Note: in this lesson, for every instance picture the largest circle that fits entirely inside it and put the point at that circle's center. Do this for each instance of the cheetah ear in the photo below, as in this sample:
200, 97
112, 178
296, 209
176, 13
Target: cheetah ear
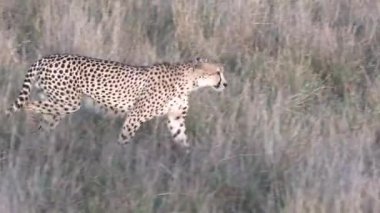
198, 61
201, 60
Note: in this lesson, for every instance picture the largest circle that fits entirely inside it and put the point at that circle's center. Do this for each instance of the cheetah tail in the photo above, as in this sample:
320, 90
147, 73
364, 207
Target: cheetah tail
25, 91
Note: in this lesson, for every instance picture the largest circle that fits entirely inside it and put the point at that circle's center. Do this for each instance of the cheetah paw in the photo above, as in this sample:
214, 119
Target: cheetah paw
123, 140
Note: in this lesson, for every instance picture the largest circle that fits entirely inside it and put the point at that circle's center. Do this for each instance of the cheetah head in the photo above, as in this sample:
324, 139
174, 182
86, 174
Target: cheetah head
209, 74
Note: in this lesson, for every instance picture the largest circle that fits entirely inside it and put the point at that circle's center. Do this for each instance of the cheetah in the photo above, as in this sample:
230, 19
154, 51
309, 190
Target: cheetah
139, 93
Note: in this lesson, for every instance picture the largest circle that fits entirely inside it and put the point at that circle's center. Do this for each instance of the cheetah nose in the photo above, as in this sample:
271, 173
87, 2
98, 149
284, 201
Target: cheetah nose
225, 84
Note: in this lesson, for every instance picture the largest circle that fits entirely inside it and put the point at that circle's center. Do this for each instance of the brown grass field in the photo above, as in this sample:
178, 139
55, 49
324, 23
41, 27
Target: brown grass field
297, 130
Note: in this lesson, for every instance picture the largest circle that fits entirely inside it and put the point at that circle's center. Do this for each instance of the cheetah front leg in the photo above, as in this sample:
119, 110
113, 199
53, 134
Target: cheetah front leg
177, 128
132, 123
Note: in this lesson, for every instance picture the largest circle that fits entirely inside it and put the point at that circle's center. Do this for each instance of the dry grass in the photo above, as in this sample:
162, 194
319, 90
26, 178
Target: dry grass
298, 129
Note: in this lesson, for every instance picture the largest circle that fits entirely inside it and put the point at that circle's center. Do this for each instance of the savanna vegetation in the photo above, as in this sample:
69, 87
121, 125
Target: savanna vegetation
297, 129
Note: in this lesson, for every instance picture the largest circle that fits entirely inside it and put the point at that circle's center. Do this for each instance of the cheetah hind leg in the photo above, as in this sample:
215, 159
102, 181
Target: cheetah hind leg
38, 122
47, 114
33, 121
49, 121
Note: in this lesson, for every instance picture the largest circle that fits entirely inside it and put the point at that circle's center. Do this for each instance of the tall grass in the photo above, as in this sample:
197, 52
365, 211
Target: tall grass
297, 130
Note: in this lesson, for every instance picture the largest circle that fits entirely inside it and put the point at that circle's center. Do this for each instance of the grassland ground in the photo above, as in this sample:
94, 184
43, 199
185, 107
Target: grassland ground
297, 130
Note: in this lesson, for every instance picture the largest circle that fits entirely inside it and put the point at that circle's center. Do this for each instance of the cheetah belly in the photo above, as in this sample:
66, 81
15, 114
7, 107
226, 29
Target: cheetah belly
118, 97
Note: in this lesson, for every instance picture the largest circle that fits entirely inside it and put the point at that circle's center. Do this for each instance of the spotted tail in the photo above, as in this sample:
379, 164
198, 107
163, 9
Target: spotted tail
25, 91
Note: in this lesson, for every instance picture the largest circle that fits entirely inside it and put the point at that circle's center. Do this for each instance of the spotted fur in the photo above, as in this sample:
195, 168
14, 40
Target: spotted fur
139, 93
